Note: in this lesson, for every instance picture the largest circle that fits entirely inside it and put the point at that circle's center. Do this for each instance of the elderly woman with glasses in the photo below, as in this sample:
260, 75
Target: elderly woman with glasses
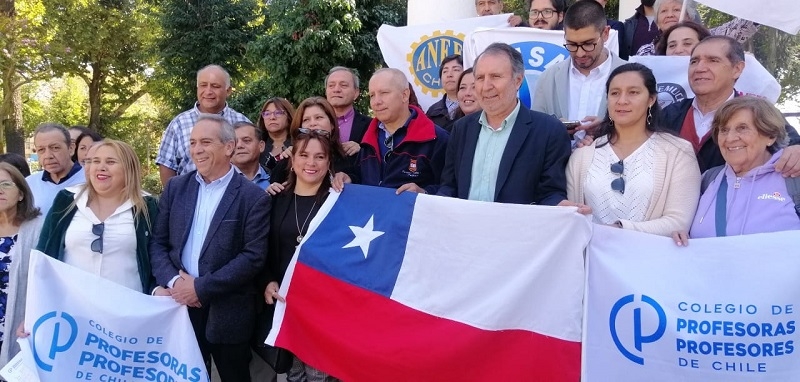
274, 121
313, 114
746, 195
103, 226
633, 176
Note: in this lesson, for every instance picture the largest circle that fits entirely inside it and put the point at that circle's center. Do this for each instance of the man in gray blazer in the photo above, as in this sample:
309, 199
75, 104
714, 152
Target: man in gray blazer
574, 89
209, 244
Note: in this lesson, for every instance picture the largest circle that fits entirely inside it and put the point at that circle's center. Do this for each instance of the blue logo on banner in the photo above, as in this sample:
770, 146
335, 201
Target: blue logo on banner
50, 325
426, 56
537, 56
639, 338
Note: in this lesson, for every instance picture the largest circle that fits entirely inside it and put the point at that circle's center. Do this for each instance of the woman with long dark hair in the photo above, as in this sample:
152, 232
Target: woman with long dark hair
633, 175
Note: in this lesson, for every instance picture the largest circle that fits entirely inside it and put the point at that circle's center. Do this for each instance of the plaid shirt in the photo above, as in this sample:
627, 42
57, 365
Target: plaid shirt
174, 150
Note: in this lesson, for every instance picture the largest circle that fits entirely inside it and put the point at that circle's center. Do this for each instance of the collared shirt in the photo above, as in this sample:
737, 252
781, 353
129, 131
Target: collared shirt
386, 141
118, 261
586, 93
261, 179
76, 167
452, 106
208, 198
345, 123
488, 153
702, 122
174, 150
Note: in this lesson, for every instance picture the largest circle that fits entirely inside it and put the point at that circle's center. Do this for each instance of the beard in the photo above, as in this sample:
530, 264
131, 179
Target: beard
648, 3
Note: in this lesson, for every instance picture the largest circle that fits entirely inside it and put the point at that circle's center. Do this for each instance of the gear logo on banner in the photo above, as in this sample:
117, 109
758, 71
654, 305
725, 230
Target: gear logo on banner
426, 56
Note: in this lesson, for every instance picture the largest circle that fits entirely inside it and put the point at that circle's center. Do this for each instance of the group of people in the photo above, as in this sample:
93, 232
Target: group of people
239, 197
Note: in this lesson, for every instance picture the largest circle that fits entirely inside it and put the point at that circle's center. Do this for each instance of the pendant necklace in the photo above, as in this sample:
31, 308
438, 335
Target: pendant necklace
297, 219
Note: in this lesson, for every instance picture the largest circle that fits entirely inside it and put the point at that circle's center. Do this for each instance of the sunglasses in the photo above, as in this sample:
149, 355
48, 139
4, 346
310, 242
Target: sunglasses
97, 244
619, 183
389, 142
324, 133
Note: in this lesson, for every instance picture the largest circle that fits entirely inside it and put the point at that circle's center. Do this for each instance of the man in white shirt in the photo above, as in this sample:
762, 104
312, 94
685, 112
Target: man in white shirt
574, 89
54, 147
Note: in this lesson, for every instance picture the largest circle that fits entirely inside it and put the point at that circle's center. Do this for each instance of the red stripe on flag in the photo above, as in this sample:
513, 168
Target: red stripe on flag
357, 335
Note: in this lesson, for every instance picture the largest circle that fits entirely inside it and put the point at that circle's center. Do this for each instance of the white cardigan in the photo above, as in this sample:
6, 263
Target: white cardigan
20, 253
676, 184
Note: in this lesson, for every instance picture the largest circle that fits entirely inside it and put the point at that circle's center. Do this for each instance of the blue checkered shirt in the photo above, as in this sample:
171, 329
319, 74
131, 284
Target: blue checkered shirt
174, 150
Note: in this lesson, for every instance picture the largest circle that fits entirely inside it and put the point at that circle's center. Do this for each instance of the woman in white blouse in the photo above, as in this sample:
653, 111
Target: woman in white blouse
633, 176
103, 226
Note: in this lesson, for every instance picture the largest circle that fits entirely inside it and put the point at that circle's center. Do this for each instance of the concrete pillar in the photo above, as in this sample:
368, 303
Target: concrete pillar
627, 8
421, 12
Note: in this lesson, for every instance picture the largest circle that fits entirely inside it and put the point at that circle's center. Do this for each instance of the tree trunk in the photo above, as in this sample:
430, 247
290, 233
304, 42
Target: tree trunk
14, 130
95, 98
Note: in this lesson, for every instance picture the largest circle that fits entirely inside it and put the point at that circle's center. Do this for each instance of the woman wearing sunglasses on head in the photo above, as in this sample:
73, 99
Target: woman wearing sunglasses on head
103, 226
317, 115
634, 176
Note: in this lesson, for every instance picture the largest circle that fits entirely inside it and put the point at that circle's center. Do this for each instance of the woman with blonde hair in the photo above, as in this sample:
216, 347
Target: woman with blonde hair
103, 226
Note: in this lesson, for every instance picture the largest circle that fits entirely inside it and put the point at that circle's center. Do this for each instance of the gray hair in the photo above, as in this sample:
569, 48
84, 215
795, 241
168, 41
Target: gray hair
52, 126
502, 49
342, 69
226, 131
221, 69
691, 8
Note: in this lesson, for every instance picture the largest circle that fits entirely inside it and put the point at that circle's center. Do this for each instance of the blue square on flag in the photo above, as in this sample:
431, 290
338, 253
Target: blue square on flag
364, 243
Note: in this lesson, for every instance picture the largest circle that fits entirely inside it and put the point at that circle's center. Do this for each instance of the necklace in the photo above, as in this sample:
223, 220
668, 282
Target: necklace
297, 219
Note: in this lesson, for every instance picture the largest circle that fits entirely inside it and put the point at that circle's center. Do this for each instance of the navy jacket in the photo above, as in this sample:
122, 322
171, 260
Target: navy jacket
417, 158
233, 254
709, 155
532, 169
439, 114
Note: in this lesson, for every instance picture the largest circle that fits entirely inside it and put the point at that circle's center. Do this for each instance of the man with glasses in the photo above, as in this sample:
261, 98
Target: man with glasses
209, 245
341, 91
574, 89
402, 147
543, 14
213, 89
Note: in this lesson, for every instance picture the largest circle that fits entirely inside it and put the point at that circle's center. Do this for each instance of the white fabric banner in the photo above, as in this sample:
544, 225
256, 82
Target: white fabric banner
84, 327
672, 74
418, 50
721, 309
540, 49
780, 14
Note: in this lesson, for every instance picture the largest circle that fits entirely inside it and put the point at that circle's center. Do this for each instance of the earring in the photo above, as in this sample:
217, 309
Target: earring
611, 122
649, 115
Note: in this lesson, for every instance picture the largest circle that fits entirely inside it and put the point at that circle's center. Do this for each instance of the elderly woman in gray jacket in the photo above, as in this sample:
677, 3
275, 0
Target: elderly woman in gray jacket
20, 223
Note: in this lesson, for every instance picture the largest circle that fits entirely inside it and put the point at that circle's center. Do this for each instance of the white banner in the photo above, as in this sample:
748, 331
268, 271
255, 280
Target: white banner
721, 309
672, 74
84, 327
418, 50
540, 49
780, 14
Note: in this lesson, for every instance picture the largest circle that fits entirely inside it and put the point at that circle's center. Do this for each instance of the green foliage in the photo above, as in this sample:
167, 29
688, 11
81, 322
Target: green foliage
61, 100
198, 33
304, 39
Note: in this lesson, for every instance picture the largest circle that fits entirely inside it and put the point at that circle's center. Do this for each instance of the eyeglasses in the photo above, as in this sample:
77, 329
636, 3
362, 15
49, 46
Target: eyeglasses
276, 114
7, 185
305, 130
619, 183
545, 14
97, 244
586, 46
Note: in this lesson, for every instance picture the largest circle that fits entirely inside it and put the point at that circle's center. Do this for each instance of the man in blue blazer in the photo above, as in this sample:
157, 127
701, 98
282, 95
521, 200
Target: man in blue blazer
506, 153
209, 244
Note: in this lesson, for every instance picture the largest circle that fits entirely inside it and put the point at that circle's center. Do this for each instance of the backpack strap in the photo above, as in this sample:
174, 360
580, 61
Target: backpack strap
793, 186
709, 177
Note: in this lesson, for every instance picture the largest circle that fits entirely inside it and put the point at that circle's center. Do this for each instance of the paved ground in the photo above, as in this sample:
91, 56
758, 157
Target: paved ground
259, 372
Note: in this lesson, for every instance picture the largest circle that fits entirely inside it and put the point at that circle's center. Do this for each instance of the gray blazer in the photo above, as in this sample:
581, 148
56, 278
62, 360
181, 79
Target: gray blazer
552, 89
233, 254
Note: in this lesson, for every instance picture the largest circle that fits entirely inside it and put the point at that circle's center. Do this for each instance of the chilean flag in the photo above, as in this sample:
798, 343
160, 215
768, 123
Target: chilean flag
415, 287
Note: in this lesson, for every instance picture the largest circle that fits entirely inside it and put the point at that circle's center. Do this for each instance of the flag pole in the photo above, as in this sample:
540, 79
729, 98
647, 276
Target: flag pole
683, 10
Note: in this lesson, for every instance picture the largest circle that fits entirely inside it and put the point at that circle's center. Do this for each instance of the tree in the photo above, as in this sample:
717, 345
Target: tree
108, 44
201, 32
305, 39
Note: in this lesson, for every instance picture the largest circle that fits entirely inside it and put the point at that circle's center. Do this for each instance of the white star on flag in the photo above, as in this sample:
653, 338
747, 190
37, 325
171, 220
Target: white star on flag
363, 236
